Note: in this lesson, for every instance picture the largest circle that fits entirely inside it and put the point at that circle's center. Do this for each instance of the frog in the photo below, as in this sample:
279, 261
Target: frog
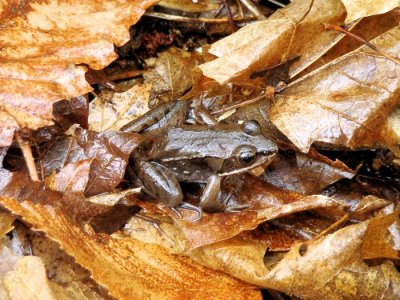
175, 152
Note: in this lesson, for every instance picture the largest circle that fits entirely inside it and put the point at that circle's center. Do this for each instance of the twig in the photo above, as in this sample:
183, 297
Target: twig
240, 7
254, 9
197, 20
277, 3
360, 39
126, 75
231, 21
268, 95
27, 153
304, 246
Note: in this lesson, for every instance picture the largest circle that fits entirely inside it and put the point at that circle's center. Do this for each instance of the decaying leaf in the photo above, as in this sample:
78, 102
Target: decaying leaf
6, 221
127, 267
305, 174
360, 8
24, 277
73, 177
43, 42
367, 28
331, 268
345, 103
7, 128
294, 31
267, 203
189, 5
171, 75
377, 242
68, 279
111, 111
108, 151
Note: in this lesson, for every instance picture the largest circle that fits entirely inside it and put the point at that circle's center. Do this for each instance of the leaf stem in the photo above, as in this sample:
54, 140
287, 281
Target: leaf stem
254, 9
269, 93
361, 40
197, 20
27, 153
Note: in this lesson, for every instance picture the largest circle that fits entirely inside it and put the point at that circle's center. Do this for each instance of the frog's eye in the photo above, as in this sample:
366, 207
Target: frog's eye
246, 155
251, 128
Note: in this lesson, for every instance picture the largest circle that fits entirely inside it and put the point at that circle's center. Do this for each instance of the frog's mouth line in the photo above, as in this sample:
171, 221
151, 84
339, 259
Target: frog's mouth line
267, 159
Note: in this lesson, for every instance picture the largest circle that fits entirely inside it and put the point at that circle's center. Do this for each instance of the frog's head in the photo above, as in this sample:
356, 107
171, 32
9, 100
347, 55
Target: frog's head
254, 150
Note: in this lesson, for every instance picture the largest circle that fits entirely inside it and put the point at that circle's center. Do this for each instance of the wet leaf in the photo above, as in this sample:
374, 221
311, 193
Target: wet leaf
43, 42
7, 128
377, 242
68, 279
71, 178
6, 221
331, 268
267, 202
24, 278
359, 9
108, 151
111, 110
171, 75
189, 5
129, 268
345, 103
305, 174
367, 28
294, 31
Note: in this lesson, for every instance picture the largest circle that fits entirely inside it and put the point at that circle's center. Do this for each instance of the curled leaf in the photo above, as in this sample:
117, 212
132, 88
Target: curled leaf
345, 103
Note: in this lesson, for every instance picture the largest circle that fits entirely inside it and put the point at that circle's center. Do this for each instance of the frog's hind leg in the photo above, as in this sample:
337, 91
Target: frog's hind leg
159, 182
163, 116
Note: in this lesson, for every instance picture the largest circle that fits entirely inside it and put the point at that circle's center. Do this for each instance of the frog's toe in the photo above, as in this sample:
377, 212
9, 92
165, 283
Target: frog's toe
191, 207
176, 212
237, 208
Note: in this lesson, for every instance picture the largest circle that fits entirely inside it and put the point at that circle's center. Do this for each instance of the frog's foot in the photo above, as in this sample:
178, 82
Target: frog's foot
153, 222
176, 212
191, 207
237, 208
233, 207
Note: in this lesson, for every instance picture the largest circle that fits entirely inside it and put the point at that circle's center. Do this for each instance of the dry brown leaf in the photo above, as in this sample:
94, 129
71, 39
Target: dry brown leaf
368, 28
363, 8
7, 128
68, 279
108, 152
222, 226
345, 103
171, 75
331, 268
111, 110
190, 5
24, 277
71, 178
377, 242
6, 221
168, 236
127, 267
294, 31
305, 174
43, 41
111, 199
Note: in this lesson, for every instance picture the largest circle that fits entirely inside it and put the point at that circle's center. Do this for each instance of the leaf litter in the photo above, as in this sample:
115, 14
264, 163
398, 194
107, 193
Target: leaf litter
320, 222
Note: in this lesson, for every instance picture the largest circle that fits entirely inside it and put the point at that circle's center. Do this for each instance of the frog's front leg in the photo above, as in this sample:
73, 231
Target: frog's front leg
209, 201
